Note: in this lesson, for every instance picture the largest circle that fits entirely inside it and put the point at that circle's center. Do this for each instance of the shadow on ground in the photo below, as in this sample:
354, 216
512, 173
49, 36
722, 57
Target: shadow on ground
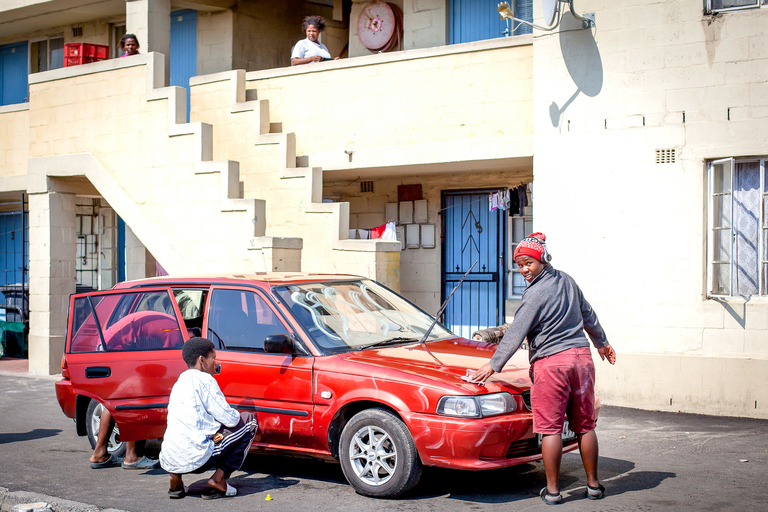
38, 433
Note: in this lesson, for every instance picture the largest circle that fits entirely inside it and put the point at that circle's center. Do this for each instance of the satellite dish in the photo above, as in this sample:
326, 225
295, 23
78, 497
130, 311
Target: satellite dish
549, 9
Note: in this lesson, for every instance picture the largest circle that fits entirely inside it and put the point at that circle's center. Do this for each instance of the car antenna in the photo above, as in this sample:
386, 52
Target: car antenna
266, 276
445, 304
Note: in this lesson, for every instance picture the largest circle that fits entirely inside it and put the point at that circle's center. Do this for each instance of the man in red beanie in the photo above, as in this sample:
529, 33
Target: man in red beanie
553, 315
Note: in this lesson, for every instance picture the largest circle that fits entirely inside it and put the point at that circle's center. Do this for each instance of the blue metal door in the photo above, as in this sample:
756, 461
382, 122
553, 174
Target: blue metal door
473, 233
13, 73
476, 20
183, 49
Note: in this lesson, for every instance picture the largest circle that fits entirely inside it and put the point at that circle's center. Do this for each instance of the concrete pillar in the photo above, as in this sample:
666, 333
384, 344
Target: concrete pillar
137, 259
275, 254
150, 20
52, 249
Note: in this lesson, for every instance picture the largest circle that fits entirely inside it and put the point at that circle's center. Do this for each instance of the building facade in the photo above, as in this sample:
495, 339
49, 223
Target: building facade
636, 144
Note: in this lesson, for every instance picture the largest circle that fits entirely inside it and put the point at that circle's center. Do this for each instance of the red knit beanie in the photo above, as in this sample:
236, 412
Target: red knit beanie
532, 245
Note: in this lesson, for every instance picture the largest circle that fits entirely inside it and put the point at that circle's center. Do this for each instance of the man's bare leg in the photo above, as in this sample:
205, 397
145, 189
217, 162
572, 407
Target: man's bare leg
105, 430
176, 484
218, 481
552, 452
589, 455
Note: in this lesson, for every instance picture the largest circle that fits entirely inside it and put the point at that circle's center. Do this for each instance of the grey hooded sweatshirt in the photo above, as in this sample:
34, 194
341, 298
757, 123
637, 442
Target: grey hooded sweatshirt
553, 315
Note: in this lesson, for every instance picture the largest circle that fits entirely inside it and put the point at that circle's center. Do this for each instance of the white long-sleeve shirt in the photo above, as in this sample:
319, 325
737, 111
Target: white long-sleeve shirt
196, 410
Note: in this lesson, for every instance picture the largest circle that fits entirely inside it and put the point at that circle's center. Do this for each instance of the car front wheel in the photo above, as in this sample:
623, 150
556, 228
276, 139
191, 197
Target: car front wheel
93, 421
378, 455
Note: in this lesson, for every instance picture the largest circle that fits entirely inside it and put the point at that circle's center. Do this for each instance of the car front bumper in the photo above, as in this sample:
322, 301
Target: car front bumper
476, 444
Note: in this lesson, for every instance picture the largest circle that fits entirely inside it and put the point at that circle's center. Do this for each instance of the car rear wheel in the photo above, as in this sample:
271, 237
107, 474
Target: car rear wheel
378, 455
93, 421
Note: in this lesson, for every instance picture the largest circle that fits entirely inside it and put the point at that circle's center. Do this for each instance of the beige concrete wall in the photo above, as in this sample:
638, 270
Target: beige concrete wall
472, 91
420, 269
633, 232
214, 41
14, 134
265, 32
144, 156
425, 23
264, 175
94, 32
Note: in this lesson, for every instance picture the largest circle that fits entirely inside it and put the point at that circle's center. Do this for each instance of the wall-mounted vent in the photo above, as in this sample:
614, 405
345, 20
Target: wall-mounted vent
366, 186
665, 156
77, 31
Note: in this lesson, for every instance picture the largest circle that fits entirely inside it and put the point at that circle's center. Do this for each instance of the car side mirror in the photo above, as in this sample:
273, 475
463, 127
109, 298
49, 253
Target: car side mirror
278, 344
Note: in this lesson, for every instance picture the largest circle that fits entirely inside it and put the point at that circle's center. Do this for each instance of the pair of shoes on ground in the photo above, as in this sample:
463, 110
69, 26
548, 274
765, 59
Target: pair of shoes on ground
112, 461
142, 463
592, 493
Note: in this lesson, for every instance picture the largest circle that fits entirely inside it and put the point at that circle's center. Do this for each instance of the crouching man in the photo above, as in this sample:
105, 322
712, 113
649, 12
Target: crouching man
204, 432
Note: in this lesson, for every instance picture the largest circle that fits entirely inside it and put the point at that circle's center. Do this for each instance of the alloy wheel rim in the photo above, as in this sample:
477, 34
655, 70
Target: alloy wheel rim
373, 455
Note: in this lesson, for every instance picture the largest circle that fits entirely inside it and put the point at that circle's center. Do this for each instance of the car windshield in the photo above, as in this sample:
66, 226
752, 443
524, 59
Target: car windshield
342, 316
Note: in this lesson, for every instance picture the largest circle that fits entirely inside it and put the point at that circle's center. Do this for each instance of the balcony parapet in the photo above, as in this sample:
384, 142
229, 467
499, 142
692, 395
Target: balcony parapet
401, 56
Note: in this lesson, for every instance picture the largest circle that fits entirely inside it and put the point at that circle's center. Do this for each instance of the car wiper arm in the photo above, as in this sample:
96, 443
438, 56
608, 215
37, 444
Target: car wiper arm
390, 341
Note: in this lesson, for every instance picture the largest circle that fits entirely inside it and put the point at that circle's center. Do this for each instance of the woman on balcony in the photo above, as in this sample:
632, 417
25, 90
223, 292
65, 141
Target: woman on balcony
310, 50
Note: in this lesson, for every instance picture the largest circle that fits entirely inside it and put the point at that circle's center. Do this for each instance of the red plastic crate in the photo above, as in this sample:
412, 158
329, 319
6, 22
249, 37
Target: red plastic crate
83, 53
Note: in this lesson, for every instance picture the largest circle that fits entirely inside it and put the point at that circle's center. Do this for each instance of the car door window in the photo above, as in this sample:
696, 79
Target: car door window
191, 302
125, 321
241, 320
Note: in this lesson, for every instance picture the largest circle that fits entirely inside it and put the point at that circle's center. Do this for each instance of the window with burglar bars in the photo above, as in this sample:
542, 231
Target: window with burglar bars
738, 227
733, 5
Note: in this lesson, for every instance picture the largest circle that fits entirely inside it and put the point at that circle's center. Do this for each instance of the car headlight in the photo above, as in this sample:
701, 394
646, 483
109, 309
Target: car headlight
476, 406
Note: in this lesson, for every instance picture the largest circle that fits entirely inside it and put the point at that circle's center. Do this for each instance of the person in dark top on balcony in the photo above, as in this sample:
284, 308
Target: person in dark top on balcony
553, 315
310, 50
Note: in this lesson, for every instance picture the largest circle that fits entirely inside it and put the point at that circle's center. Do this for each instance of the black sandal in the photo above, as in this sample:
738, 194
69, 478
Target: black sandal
599, 489
550, 499
177, 495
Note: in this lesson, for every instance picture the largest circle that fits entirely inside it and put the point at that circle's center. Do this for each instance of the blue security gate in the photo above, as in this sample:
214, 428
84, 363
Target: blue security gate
477, 20
183, 49
471, 232
13, 73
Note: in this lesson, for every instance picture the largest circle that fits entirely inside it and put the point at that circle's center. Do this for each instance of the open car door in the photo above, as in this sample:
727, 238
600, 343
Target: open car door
124, 350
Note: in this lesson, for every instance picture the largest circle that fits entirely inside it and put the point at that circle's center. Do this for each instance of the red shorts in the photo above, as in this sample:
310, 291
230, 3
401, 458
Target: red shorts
564, 384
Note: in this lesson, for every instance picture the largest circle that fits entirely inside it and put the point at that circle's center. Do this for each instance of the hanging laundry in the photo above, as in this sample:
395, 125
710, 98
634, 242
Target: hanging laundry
494, 201
514, 203
522, 192
385, 231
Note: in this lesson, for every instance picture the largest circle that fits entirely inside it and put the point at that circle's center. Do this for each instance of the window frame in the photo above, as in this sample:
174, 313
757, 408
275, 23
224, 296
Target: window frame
512, 268
47, 41
300, 350
713, 10
762, 272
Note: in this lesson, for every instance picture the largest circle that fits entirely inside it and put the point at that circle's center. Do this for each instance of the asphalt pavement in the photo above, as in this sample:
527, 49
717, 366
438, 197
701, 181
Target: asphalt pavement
648, 461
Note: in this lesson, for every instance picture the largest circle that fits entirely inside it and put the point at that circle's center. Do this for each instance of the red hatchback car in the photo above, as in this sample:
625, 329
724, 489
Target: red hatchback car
332, 365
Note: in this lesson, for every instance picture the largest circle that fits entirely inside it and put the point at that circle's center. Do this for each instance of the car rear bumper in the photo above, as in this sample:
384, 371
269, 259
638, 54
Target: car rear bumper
476, 444
65, 394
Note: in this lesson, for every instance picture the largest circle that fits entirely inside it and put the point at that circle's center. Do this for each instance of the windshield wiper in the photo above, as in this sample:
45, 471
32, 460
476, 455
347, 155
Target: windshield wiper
390, 341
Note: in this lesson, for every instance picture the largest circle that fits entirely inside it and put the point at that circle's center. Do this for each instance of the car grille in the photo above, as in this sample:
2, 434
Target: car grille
527, 399
523, 448
528, 447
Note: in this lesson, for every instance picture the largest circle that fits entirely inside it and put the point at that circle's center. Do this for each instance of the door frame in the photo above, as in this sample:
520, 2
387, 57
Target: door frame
503, 243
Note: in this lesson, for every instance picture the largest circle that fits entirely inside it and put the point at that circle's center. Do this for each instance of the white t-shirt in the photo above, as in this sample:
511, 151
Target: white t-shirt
306, 48
196, 410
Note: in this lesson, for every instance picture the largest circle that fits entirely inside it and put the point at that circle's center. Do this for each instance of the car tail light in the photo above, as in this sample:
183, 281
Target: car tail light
64, 367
